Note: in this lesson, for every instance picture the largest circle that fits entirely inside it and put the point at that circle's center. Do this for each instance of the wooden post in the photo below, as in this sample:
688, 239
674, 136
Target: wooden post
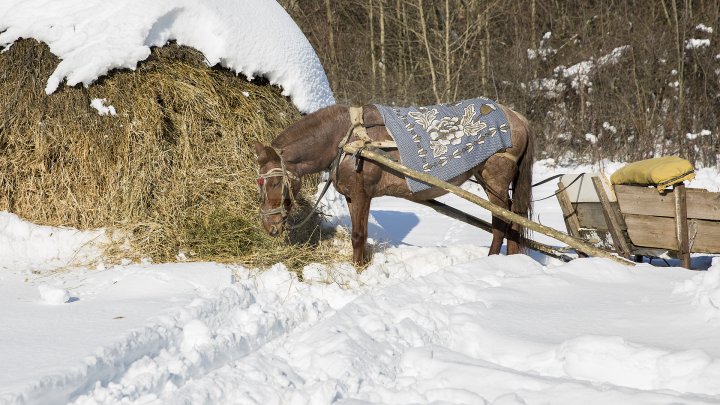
499, 211
571, 220
681, 225
621, 244
572, 223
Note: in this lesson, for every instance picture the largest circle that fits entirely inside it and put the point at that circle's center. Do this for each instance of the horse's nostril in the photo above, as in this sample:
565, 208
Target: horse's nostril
273, 231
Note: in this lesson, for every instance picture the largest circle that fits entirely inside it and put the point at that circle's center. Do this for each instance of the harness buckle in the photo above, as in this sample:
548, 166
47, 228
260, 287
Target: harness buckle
358, 159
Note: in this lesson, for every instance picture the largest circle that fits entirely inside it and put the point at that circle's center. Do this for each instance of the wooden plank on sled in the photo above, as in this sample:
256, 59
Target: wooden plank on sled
496, 210
701, 204
455, 213
659, 232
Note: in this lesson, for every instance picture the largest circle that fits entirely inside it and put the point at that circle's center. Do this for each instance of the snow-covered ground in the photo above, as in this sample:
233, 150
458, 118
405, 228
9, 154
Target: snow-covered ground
432, 319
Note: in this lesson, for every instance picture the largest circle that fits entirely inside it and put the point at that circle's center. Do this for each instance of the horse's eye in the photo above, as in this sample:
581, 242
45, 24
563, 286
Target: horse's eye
260, 181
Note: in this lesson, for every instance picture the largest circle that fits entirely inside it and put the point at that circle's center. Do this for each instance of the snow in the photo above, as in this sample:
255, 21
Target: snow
578, 75
544, 51
610, 128
695, 43
704, 28
53, 295
102, 109
592, 138
93, 37
693, 136
28, 247
432, 318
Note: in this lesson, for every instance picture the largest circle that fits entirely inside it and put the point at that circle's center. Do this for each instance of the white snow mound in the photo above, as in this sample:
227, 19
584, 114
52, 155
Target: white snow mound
92, 37
26, 246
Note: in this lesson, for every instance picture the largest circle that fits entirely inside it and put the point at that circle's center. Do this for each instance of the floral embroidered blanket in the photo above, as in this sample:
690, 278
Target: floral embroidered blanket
446, 140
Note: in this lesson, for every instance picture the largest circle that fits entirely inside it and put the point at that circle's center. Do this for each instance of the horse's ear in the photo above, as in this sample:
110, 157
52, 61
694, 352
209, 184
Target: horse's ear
261, 152
265, 153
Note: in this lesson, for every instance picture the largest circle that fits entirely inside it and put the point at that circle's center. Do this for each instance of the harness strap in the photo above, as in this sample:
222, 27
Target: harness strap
508, 155
357, 124
357, 128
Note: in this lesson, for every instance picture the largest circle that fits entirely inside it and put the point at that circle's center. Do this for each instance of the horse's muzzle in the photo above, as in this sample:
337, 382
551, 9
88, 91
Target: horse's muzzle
275, 231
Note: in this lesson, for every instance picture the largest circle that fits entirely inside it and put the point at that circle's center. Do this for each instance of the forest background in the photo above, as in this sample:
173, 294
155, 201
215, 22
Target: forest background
622, 79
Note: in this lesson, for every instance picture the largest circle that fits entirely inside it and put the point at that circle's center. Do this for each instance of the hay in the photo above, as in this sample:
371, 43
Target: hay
173, 171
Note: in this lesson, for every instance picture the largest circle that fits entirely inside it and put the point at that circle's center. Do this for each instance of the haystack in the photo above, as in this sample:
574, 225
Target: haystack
173, 171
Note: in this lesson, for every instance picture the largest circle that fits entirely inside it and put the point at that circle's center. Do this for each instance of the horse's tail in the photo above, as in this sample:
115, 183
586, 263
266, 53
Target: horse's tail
522, 184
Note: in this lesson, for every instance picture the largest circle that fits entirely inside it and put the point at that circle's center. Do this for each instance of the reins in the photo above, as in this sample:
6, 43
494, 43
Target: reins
334, 164
543, 182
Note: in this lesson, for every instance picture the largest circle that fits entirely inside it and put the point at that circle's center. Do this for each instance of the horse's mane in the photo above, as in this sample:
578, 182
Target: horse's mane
319, 124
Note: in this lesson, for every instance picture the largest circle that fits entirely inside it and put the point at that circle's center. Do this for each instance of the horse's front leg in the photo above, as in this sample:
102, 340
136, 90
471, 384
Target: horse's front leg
359, 207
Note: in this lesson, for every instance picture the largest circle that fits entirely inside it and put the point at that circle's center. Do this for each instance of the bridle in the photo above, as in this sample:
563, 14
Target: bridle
286, 191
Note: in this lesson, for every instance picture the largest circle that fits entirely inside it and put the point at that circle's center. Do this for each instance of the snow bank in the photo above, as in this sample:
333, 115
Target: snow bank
454, 328
26, 246
705, 291
92, 37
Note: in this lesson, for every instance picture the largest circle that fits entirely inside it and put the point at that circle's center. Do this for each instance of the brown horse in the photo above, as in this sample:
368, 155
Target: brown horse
312, 144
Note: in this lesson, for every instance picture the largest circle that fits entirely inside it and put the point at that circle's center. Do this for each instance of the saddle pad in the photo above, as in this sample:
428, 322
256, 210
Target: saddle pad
660, 172
446, 140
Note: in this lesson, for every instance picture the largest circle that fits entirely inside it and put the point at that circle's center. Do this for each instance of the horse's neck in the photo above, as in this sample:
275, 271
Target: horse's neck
311, 147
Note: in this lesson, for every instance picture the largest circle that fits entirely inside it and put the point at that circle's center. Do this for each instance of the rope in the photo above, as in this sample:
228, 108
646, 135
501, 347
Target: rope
559, 191
332, 166
542, 182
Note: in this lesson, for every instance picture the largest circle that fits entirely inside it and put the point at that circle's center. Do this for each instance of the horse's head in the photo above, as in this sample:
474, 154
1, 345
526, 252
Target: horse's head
277, 187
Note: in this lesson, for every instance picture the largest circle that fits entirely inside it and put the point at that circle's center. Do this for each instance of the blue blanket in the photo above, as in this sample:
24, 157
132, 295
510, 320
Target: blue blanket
448, 139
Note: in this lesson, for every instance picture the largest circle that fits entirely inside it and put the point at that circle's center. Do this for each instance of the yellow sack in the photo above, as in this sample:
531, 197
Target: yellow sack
661, 172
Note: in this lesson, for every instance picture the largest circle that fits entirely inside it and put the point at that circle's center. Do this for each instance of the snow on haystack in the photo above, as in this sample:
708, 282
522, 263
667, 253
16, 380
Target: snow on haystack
92, 37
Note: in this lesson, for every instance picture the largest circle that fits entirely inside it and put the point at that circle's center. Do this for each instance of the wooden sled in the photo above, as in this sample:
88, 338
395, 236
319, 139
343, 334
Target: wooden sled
639, 221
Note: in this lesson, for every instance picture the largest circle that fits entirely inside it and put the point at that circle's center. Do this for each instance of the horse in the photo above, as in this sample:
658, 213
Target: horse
313, 144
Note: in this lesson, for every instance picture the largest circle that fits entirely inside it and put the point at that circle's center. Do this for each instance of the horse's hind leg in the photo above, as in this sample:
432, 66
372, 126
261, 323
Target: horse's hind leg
359, 212
496, 176
514, 235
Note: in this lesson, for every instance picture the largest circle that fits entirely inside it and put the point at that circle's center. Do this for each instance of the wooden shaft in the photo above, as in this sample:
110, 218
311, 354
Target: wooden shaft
455, 213
499, 211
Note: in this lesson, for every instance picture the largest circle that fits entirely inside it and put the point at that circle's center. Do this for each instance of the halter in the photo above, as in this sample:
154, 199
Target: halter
287, 177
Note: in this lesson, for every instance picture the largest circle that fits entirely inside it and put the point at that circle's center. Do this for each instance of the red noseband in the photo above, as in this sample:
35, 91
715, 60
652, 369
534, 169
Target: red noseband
260, 181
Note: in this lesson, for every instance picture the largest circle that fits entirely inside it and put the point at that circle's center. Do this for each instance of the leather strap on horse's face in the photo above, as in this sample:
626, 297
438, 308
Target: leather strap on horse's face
286, 190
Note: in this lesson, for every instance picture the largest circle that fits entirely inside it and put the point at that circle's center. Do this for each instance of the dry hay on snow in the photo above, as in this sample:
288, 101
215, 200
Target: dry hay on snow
174, 170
